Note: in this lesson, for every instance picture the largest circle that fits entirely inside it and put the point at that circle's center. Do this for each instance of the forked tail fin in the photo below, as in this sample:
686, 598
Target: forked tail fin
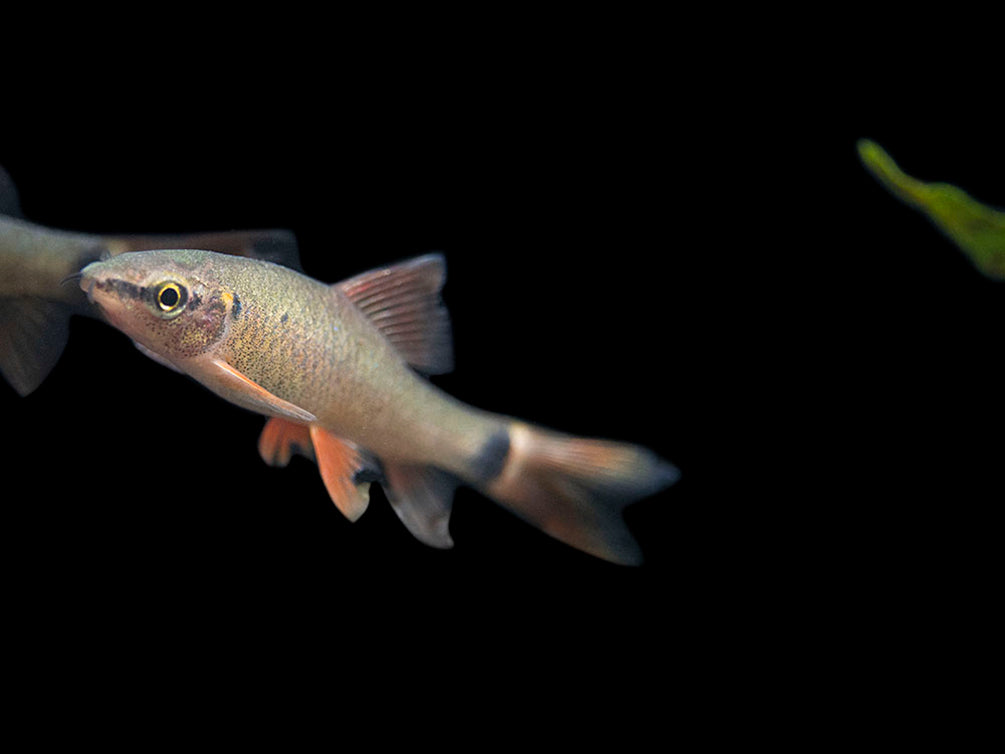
575, 489
33, 333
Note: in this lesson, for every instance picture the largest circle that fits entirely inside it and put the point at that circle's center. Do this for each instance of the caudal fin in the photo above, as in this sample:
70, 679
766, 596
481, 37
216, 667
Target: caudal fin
575, 489
33, 333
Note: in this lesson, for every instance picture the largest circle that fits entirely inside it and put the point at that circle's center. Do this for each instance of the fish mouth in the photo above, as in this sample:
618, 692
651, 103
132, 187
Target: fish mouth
87, 281
107, 290
90, 279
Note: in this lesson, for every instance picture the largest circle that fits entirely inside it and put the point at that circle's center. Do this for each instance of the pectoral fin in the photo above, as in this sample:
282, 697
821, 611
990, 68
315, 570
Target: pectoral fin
153, 355
346, 471
237, 388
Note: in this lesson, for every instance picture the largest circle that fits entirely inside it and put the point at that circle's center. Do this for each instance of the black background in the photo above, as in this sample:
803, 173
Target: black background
133, 491
718, 280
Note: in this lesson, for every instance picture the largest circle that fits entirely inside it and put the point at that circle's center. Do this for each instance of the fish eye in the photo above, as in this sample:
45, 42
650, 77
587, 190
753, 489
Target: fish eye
171, 297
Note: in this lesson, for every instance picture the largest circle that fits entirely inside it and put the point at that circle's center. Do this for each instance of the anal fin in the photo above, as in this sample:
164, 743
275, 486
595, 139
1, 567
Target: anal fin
422, 497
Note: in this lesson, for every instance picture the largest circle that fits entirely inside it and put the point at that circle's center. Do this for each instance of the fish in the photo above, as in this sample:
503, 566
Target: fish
977, 229
342, 373
35, 262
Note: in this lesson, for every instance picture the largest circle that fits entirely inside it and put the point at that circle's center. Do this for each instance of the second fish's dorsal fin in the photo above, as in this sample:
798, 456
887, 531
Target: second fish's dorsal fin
403, 301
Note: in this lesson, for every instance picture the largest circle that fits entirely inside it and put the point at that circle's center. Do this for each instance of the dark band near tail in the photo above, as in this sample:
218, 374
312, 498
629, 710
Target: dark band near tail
574, 488
491, 459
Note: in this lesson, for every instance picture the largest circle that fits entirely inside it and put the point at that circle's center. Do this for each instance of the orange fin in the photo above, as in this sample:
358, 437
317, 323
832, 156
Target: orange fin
422, 496
245, 392
342, 464
403, 301
281, 438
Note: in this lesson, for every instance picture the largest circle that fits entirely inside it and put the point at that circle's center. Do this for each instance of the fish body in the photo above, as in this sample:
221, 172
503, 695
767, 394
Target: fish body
34, 259
337, 367
35, 305
328, 358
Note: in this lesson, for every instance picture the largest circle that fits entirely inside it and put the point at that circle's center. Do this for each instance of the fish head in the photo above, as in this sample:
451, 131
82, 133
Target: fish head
172, 302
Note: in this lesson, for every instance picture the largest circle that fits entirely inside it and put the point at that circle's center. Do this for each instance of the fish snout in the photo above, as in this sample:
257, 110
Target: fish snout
103, 286
88, 277
113, 288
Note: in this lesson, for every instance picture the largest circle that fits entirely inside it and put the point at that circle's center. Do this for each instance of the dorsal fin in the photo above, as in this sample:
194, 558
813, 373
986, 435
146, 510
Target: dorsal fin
403, 301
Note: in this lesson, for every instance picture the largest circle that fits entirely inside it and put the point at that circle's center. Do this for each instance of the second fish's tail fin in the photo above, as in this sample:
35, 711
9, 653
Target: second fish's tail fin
575, 488
33, 333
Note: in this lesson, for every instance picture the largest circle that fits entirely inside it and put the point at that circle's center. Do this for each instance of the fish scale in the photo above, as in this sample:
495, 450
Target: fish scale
305, 342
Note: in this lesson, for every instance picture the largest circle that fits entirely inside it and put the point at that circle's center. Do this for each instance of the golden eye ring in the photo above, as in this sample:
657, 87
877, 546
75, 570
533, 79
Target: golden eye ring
170, 297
